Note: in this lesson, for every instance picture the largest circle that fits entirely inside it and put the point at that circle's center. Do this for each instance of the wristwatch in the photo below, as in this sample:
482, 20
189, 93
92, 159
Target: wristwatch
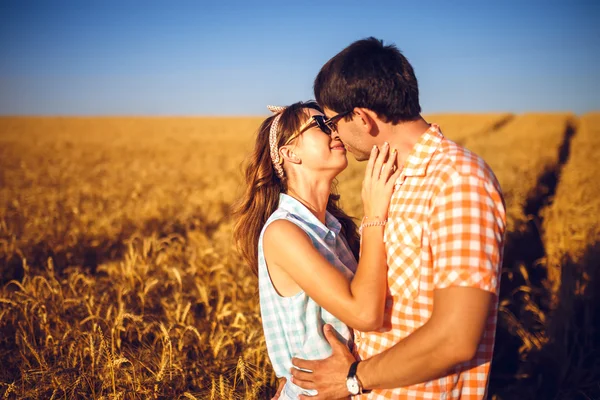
352, 383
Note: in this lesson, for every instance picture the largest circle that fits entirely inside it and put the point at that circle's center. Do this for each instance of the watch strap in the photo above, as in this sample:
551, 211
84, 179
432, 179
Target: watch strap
352, 374
352, 370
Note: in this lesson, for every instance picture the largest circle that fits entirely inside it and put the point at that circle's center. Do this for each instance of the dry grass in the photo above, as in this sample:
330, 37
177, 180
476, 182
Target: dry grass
572, 240
119, 276
573, 219
68, 178
143, 296
460, 127
520, 153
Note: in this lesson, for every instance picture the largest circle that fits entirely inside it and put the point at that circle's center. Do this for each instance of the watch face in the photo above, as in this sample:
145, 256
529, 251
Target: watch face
352, 385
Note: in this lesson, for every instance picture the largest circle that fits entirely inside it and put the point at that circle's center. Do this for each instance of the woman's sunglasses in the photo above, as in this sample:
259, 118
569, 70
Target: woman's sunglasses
328, 126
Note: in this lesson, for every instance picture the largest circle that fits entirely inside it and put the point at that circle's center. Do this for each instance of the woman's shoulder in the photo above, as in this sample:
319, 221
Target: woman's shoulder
280, 217
286, 228
278, 214
284, 235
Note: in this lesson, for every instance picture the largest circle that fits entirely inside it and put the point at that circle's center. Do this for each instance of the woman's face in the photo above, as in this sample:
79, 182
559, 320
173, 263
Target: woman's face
317, 150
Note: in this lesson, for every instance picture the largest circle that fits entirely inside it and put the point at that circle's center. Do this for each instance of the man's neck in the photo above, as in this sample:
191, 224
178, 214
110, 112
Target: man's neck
404, 136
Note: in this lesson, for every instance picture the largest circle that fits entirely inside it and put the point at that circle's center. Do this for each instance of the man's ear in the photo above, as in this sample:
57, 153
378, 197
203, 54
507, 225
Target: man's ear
288, 155
367, 120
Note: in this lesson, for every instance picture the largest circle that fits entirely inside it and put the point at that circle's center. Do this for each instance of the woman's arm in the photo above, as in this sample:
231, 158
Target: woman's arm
358, 303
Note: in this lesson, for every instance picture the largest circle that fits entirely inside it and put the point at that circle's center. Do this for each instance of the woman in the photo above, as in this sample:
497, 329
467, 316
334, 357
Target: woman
302, 246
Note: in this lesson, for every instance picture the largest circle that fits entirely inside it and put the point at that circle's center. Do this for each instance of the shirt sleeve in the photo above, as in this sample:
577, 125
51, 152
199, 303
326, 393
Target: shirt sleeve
467, 228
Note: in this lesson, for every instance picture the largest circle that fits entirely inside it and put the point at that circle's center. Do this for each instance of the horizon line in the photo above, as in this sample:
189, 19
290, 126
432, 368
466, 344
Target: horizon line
266, 114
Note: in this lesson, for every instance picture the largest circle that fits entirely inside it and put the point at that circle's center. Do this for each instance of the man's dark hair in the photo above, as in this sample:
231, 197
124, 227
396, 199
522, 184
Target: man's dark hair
370, 75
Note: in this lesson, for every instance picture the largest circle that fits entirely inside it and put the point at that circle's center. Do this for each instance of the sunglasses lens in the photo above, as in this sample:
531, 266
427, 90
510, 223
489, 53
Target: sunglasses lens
322, 124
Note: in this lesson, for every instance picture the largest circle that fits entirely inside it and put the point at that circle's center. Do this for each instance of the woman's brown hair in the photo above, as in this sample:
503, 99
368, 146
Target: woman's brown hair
263, 186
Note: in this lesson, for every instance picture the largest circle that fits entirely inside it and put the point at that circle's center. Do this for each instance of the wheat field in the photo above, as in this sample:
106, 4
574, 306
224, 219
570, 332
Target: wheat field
119, 279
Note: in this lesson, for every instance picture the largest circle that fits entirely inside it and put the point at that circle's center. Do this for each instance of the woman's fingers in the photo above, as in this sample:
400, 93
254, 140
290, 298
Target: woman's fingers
371, 163
393, 178
378, 185
379, 162
388, 167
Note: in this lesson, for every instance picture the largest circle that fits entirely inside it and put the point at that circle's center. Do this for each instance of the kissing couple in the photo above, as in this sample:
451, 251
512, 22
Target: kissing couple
404, 305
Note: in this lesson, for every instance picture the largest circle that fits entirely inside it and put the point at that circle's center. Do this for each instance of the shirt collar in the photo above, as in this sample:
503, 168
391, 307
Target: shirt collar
295, 207
422, 152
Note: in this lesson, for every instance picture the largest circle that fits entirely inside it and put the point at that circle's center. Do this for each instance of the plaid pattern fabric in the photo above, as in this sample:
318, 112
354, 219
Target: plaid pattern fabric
293, 326
446, 227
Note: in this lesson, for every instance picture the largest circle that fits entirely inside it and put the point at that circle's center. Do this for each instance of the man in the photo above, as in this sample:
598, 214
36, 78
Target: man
444, 241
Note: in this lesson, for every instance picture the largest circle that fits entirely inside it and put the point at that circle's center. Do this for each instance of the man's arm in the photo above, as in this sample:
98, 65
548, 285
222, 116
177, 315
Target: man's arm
449, 338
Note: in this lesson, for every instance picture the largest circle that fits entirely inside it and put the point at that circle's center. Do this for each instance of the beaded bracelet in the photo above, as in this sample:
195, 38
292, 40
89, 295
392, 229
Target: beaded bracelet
364, 224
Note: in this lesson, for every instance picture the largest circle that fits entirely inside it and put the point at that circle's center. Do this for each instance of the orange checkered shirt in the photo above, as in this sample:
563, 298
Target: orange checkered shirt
445, 227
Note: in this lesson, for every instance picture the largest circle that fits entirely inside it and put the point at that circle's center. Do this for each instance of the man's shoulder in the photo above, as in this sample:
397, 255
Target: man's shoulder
455, 160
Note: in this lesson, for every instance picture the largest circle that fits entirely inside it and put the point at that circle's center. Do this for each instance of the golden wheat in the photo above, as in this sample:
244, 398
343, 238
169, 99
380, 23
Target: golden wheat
572, 222
519, 154
120, 278
460, 127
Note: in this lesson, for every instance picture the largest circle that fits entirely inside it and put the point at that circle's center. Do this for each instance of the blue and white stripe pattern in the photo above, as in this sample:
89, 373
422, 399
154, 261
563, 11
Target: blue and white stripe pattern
293, 326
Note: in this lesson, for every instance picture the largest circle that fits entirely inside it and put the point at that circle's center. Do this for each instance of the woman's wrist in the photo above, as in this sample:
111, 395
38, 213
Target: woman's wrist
373, 217
371, 221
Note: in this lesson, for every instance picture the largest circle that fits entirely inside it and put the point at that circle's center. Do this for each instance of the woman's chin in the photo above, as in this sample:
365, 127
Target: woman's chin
342, 167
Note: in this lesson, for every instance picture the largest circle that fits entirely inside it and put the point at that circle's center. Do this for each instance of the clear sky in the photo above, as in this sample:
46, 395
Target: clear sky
177, 57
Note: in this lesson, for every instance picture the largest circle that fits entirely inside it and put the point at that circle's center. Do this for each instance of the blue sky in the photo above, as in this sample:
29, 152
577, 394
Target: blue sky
104, 57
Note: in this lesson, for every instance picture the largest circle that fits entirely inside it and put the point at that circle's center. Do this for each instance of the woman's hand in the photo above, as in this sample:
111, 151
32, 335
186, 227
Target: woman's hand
378, 185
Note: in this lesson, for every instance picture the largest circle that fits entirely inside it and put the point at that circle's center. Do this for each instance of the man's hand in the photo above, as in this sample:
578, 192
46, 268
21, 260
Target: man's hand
328, 376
